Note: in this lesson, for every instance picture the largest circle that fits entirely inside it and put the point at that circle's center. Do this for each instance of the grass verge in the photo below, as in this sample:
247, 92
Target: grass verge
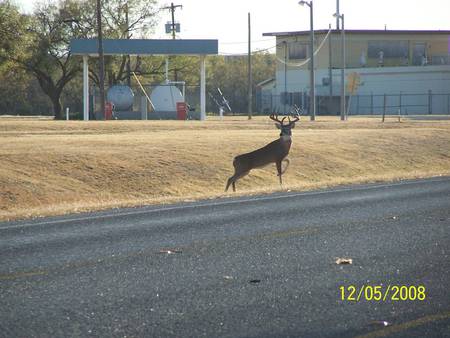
57, 167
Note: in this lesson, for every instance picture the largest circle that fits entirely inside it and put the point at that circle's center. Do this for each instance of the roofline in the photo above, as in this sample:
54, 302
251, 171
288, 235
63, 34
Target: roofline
145, 47
360, 31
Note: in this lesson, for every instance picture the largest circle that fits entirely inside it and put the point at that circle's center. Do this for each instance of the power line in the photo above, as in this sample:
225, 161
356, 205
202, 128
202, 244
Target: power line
253, 52
308, 59
278, 59
244, 42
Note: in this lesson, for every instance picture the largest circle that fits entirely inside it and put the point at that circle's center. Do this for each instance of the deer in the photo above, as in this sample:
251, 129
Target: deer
274, 152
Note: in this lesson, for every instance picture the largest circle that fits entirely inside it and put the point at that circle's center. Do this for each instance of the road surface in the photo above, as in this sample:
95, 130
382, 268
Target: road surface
262, 266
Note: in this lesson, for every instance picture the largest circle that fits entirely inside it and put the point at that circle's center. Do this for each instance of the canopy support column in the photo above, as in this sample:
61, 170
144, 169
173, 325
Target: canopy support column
85, 88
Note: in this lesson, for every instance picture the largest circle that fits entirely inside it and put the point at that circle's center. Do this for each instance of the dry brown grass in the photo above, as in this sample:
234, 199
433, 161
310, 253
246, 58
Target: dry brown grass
55, 167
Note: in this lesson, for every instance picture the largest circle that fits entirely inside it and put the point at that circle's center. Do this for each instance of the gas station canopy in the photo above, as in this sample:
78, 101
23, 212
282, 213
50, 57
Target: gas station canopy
89, 47
144, 47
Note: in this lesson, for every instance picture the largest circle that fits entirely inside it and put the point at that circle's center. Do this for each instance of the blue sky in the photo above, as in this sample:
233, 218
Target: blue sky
226, 20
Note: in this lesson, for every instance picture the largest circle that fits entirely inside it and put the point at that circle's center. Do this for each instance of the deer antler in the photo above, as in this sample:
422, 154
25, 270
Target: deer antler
295, 116
275, 118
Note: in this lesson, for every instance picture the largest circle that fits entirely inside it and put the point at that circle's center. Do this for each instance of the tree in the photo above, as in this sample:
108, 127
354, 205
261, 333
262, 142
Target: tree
229, 73
41, 47
39, 43
12, 79
124, 19
12, 32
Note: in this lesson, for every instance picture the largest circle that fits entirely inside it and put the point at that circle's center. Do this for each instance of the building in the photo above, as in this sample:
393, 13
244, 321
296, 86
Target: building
392, 70
264, 95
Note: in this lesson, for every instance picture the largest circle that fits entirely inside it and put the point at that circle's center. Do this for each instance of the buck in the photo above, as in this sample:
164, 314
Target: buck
275, 152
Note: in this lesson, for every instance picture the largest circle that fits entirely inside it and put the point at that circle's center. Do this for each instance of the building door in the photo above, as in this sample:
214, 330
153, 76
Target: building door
419, 52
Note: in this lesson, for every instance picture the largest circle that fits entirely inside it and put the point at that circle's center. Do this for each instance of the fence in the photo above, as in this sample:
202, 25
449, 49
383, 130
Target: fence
428, 103
364, 104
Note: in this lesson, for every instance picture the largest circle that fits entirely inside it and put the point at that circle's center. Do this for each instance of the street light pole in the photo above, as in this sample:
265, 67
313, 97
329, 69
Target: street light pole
312, 80
337, 14
312, 95
343, 103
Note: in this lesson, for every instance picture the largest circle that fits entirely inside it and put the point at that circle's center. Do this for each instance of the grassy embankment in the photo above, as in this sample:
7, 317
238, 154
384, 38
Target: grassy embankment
56, 167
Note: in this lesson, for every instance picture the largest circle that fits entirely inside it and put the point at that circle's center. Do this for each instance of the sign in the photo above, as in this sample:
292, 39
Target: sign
169, 27
353, 82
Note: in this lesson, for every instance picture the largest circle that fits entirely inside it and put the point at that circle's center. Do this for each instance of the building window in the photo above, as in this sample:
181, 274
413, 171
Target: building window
389, 49
298, 51
420, 54
440, 59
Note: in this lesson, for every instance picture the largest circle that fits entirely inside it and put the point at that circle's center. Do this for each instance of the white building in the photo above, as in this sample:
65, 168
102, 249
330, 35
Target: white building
406, 70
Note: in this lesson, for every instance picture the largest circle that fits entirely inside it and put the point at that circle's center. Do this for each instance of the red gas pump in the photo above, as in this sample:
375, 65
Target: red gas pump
108, 110
181, 110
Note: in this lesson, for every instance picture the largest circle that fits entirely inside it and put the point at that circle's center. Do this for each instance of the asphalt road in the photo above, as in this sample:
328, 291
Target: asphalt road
240, 267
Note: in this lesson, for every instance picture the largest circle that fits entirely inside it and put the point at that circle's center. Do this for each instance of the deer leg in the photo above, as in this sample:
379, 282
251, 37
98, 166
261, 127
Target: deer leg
239, 176
229, 182
232, 180
287, 165
279, 171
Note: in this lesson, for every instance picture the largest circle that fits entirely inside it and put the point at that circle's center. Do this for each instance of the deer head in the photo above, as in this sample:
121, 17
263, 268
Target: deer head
285, 127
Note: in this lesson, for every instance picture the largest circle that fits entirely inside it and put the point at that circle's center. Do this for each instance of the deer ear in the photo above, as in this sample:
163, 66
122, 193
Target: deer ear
278, 125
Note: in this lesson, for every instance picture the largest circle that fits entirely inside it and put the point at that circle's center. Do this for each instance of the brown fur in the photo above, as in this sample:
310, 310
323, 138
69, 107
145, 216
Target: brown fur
274, 152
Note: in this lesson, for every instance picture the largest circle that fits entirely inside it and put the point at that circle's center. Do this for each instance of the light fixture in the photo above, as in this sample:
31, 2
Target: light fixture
303, 2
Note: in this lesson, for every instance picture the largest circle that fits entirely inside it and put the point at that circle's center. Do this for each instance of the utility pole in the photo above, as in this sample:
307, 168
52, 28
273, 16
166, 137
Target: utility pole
285, 76
312, 80
337, 14
330, 65
128, 37
249, 70
101, 63
172, 8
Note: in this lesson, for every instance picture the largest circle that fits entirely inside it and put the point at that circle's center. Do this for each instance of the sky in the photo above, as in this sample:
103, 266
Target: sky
226, 20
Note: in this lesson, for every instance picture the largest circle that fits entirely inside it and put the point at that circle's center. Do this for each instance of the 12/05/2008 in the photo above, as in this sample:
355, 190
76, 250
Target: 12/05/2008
382, 293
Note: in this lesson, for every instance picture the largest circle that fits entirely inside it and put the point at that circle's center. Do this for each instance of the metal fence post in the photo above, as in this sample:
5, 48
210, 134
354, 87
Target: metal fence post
448, 104
357, 104
371, 103
430, 104
384, 107
400, 103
